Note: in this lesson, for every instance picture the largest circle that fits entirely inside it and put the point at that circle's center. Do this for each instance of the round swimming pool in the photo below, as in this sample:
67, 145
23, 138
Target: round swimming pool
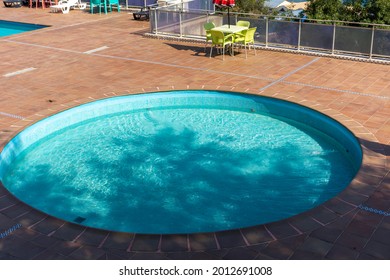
180, 162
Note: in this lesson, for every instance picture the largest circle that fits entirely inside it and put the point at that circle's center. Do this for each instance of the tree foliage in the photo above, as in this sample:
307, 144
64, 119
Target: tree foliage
325, 9
379, 11
251, 6
372, 11
369, 11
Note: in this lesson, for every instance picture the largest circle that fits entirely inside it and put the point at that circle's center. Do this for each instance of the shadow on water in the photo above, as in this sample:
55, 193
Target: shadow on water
40, 188
171, 183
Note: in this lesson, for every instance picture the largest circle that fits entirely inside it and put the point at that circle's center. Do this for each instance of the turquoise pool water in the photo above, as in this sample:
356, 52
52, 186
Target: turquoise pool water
10, 27
180, 162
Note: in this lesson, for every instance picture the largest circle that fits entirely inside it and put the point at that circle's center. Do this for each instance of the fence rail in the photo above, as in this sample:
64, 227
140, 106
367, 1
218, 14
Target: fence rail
352, 40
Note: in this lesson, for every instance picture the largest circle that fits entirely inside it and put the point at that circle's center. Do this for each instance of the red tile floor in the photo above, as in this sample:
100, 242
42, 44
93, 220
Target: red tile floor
63, 74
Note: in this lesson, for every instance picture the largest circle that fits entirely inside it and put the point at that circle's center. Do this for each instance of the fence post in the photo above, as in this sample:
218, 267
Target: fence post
372, 41
299, 34
266, 32
334, 37
155, 21
180, 21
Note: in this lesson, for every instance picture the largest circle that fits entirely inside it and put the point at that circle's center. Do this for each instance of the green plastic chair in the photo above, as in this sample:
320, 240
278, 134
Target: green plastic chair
207, 27
218, 39
245, 38
243, 23
116, 3
98, 3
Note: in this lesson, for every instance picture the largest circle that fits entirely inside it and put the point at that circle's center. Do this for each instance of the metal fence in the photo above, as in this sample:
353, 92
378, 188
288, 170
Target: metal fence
206, 5
137, 3
364, 41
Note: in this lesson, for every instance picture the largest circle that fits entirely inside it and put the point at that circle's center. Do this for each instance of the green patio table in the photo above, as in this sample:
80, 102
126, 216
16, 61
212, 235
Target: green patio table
230, 29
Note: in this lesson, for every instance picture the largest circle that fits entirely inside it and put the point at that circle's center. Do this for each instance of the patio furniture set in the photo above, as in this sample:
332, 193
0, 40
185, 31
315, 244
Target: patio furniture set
65, 6
230, 36
104, 4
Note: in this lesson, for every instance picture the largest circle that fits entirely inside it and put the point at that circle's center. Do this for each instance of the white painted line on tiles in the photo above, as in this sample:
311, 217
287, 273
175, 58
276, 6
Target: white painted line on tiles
96, 50
41, 46
289, 74
338, 90
11, 115
272, 81
19, 72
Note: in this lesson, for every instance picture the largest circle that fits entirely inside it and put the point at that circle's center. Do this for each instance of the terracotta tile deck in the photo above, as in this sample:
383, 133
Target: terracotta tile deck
356, 94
